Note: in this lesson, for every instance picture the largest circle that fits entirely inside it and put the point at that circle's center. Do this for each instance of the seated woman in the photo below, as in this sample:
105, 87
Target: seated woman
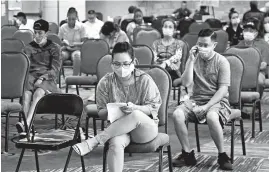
72, 34
235, 31
142, 97
112, 34
168, 51
138, 22
44, 56
252, 37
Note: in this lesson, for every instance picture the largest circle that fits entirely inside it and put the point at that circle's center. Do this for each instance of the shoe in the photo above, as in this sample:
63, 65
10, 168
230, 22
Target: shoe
185, 159
20, 127
73, 86
225, 162
85, 146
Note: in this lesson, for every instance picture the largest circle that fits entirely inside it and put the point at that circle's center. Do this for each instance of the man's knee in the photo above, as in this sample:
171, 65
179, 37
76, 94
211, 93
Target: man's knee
65, 55
137, 114
39, 92
28, 95
212, 117
119, 142
76, 55
178, 115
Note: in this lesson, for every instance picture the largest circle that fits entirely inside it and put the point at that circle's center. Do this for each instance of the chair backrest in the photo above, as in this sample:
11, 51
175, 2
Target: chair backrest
191, 39
184, 25
125, 23
214, 23
7, 31
157, 24
99, 16
185, 55
237, 72
14, 71
196, 27
252, 59
143, 54
53, 28
163, 81
11, 45
104, 66
145, 36
222, 39
91, 51
54, 38
25, 35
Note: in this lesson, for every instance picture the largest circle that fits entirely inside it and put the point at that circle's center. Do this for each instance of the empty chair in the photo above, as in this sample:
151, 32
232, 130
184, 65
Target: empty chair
222, 40
25, 35
184, 25
7, 31
53, 28
191, 39
11, 45
143, 54
54, 38
214, 24
145, 36
196, 27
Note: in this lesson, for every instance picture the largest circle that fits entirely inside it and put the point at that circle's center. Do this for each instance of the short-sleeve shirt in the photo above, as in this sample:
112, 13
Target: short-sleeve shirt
29, 25
143, 92
209, 76
72, 34
93, 29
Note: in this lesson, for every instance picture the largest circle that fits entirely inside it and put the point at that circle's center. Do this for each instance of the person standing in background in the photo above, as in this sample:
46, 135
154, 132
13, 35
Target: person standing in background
183, 11
131, 10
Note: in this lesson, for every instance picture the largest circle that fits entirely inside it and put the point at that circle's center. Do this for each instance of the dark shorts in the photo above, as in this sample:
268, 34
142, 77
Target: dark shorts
221, 108
47, 85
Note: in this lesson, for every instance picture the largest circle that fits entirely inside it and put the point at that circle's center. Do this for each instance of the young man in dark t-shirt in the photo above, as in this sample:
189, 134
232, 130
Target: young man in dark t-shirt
209, 72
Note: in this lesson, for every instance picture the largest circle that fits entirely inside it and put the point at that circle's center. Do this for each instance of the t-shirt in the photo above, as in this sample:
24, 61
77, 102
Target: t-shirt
29, 25
72, 35
209, 76
93, 29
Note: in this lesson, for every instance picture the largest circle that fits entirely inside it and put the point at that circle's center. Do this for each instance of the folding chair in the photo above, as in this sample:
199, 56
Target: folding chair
13, 88
54, 139
91, 51
11, 45
250, 90
197, 27
222, 40
143, 54
25, 35
163, 81
145, 36
7, 31
53, 28
191, 39
237, 73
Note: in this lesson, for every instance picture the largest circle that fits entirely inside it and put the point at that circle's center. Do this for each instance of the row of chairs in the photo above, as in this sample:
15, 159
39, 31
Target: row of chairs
57, 104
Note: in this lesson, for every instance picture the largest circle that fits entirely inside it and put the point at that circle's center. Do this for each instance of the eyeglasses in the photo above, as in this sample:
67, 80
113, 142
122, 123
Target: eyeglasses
125, 65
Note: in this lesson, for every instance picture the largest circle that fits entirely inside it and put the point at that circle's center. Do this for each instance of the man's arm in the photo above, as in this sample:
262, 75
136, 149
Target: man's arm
222, 91
187, 76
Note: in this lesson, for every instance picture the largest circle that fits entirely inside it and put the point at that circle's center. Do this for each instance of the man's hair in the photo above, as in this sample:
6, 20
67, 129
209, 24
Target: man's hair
208, 33
138, 10
72, 10
185, 2
123, 47
131, 9
109, 27
253, 4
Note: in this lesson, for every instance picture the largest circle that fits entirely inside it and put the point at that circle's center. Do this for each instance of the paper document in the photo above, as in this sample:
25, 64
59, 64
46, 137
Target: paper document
114, 111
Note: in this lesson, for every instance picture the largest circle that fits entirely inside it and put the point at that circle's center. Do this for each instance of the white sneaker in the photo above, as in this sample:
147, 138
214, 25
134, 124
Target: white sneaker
184, 98
73, 86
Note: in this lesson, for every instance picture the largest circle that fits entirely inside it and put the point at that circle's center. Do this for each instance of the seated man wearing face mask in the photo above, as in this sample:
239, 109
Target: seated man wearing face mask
209, 72
44, 56
252, 37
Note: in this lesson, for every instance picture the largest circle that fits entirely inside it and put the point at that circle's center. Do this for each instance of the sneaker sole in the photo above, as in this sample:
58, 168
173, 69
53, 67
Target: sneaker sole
19, 127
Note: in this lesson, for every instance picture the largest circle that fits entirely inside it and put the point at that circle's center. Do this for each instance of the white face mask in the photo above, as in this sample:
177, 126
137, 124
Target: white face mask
122, 72
248, 36
168, 32
235, 21
266, 27
41, 41
205, 53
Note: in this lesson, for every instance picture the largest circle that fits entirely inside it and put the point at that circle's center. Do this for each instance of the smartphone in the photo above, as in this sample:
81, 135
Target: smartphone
196, 51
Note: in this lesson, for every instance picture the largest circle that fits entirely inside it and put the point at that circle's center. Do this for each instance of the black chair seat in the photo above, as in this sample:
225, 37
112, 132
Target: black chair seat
249, 97
161, 140
91, 111
7, 107
67, 63
81, 80
51, 140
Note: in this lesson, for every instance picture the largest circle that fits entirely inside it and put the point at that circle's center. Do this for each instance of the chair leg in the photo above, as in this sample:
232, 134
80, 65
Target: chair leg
20, 159
63, 120
87, 128
36, 161
178, 96
68, 159
170, 158
59, 79
174, 93
66, 88
56, 121
232, 142
63, 72
104, 157
242, 136
82, 164
161, 159
94, 126
6, 133
197, 137
102, 125
77, 89
253, 120
260, 115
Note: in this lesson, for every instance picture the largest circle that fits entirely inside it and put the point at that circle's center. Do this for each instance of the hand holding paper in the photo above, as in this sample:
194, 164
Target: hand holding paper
114, 111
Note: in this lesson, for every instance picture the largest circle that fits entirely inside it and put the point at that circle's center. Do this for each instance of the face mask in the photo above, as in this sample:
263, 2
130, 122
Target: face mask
122, 72
205, 53
41, 41
266, 27
248, 36
18, 22
167, 32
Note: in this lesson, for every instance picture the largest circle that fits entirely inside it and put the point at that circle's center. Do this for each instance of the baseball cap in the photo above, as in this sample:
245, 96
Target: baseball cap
20, 14
41, 25
249, 25
91, 12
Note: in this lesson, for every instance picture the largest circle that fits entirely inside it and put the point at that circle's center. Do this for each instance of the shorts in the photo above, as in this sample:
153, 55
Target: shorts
221, 108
